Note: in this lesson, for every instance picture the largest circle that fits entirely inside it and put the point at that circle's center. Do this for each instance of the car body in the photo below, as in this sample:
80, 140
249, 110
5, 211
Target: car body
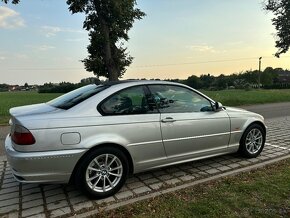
97, 132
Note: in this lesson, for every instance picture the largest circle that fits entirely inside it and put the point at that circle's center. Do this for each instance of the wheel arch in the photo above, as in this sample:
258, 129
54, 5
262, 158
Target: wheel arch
117, 146
241, 147
260, 123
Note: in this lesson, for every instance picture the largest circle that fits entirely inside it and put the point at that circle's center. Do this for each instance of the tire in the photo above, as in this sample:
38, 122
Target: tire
102, 172
252, 141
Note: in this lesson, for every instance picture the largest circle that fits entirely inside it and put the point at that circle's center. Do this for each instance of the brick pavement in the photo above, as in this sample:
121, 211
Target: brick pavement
33, 200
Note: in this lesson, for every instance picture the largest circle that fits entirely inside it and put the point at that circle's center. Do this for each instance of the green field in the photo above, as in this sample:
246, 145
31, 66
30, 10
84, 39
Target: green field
260, 193
13, 99
242, 97
226, 97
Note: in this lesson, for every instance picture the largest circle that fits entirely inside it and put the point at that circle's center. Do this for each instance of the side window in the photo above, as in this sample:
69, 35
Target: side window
129, 101
176, 99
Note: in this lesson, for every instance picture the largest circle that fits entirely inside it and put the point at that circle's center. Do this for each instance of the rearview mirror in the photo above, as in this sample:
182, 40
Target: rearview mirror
218, 106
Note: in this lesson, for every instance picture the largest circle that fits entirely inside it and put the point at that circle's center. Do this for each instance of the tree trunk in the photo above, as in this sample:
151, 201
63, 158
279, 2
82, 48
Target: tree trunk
110, 64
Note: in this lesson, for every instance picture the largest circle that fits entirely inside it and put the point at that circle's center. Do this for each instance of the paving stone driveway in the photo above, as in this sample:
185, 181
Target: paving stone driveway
31, 200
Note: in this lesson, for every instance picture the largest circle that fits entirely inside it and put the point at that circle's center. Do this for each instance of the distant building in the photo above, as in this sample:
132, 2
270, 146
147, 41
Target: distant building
12, 88
283, 76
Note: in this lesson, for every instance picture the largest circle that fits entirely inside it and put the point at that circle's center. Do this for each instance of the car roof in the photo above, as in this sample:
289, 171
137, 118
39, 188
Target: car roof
138, 82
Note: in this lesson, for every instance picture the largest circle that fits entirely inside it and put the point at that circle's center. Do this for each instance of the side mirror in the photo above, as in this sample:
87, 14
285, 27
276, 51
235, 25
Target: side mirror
218, 106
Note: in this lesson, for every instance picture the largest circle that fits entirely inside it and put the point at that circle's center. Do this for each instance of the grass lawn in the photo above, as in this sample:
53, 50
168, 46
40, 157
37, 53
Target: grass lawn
261, 193
13, 99
226, 97
242, 97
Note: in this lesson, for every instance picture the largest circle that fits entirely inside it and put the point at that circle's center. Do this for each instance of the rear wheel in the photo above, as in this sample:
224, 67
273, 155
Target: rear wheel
102, 172
253, 141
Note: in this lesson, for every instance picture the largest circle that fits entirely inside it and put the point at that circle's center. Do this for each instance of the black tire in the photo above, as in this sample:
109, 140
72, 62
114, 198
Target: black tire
245, 150
82, 172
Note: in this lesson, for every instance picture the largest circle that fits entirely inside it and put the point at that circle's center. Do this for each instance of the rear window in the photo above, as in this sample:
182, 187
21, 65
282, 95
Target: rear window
75, 97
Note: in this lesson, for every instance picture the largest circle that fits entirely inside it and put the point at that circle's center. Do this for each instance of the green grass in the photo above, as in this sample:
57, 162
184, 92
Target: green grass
261, 193
13, 99
226, 97
242, 97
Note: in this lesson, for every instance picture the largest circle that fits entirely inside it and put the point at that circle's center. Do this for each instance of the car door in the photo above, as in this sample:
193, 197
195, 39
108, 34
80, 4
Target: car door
189, 124
130, 116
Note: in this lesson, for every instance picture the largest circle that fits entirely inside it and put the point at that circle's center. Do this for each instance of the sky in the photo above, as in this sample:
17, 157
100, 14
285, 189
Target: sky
41, 41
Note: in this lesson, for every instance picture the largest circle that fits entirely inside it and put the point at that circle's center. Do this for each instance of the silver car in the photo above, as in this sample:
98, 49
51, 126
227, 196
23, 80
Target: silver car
98, 134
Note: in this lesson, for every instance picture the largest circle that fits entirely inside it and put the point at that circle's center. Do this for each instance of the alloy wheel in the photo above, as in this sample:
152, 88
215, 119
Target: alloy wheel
104, 173
254, 141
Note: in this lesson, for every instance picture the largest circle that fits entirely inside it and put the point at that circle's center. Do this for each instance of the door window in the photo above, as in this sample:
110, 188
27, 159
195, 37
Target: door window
128, 101
176, 99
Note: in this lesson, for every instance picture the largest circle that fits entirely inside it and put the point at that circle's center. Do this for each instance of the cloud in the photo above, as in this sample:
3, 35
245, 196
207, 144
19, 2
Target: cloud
21, 56
2, 58
76, 40
237, 43
203, 48
10, 19
50, 31
44, 47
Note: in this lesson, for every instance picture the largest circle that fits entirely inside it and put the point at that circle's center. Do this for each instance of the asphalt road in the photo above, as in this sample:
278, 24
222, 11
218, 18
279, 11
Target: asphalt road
267, 110
271, 110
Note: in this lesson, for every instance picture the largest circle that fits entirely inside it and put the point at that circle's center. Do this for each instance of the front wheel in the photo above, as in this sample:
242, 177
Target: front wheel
102, 172
253, 141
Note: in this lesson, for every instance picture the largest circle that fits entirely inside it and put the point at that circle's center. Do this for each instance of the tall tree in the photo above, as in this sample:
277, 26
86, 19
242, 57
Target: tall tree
281, 21
108, 23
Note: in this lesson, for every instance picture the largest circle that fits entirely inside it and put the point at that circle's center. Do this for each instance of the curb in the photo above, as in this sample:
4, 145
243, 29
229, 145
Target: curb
155, 194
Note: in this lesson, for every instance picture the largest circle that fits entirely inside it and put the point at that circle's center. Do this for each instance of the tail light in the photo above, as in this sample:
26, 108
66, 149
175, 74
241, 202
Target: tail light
22, 136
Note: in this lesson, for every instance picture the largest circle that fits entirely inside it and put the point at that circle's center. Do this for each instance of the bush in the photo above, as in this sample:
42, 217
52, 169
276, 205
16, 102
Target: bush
277, 86
63, 87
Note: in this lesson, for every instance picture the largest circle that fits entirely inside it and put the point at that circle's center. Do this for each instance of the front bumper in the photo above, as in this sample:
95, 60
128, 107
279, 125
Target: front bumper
42, 167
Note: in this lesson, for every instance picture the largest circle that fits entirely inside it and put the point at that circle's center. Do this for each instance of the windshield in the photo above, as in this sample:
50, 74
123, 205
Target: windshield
75, 97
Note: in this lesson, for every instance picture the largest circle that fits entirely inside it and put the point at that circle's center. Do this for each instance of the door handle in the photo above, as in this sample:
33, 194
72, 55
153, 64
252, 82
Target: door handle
167, 120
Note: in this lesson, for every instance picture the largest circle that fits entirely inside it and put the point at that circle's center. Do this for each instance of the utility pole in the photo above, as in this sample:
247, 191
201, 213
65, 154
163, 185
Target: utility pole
259, 76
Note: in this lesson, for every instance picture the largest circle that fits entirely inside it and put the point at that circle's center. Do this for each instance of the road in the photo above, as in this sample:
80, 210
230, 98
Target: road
267, 110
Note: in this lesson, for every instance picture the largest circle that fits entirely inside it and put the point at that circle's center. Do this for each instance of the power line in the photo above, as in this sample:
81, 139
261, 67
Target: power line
154, 65
203, 62
48, 69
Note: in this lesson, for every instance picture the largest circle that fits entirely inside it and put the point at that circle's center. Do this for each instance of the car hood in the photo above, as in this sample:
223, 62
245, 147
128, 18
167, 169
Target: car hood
233, 112
235, 109
32, 110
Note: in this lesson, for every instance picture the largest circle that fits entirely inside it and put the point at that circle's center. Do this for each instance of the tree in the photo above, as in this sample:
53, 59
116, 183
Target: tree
206, 80
193, 81
268, 76
91, 80
13, 1
108, 23
251, 76
221, 82
281, 21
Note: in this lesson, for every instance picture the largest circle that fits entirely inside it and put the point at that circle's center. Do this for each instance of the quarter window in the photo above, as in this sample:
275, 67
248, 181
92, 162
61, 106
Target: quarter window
129, 101
77, 96
176, 99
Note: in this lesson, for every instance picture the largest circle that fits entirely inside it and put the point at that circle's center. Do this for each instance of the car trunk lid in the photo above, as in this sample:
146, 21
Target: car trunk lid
34, 109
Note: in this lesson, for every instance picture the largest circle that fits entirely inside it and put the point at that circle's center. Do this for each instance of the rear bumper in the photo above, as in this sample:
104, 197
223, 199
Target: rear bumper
42, 167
